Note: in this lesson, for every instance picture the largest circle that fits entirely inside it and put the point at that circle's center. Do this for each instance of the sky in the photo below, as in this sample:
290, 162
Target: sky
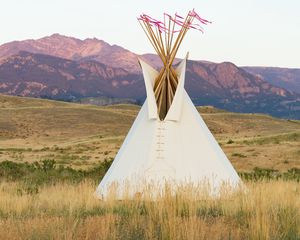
247, 33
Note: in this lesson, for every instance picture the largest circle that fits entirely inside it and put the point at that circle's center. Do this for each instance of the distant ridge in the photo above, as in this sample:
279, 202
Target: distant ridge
288, 78
66, 68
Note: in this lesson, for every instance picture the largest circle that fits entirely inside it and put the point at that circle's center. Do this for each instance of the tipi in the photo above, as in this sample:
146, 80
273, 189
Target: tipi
168, 141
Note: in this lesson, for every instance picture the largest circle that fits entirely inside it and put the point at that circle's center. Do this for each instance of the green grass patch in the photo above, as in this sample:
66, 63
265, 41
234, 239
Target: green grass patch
259, 174
291, 137
34, 175
47, 172
238, 155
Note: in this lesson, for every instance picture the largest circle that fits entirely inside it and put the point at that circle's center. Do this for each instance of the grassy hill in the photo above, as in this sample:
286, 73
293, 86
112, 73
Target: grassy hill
83, 135
43, 201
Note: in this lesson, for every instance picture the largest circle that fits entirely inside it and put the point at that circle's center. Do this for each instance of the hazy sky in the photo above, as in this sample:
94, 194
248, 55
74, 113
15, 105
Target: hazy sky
246, 32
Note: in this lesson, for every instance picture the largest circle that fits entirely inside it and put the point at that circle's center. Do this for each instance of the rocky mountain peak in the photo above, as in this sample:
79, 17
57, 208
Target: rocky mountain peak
63, 67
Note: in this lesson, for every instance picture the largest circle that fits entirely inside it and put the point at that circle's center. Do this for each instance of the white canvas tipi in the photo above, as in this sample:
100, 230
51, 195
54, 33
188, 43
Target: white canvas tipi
180, 149
169, 141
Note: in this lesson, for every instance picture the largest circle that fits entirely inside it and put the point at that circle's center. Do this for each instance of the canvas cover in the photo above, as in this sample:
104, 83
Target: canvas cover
180, 149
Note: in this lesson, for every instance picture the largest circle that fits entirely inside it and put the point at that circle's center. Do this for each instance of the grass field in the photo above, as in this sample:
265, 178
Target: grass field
49, 200
82, 135
268, 210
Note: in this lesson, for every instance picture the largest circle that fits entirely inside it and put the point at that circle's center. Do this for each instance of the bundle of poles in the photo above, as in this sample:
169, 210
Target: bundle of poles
162, 37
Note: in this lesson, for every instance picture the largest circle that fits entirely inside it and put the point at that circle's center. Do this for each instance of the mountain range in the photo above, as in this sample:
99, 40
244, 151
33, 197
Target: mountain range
288, 78
66, 68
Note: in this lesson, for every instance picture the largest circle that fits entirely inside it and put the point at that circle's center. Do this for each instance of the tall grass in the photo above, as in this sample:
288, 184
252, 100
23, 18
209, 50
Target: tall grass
267, 210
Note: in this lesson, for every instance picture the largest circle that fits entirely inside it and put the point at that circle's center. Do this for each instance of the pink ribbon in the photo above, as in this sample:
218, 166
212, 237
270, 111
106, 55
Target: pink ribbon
151, 21
196, 15
177, 19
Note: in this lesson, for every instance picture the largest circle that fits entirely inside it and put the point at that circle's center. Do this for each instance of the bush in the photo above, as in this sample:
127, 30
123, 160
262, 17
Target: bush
47, 172
271, 174
238, 155
33, 175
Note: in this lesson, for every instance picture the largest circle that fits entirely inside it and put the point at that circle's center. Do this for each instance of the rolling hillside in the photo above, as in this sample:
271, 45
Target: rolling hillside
82, 135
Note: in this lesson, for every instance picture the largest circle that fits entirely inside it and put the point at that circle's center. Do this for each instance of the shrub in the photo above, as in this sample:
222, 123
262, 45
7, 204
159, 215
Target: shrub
239, 155
47, 172
271, 174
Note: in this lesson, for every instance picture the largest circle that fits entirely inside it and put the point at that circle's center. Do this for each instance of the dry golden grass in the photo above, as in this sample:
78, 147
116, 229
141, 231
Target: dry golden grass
80, 136
267, 210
